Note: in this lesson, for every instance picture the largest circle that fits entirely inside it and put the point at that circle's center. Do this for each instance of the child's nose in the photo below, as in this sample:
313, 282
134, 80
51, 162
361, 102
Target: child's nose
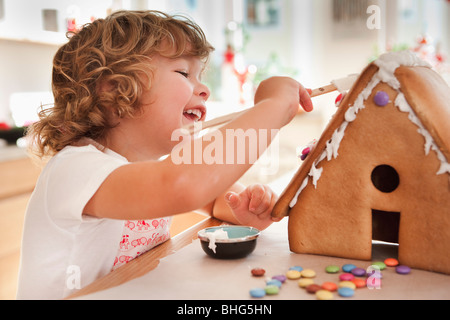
202, 91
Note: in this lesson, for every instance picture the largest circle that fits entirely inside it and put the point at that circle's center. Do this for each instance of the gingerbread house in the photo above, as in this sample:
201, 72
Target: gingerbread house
380, 170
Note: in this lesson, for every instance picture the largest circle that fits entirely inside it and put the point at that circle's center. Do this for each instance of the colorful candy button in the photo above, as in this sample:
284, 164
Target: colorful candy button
329, 286
271, 289
304, 282
346, 292
347, 284
280, 277
274, 282
298, 268
359, 283
358, 272
308, 273
346, 277
348, 267
258, 272
324, 295
293, 274
332, 269
381, 98
402, 269
257, 292
313, 288
380, 264
391, 262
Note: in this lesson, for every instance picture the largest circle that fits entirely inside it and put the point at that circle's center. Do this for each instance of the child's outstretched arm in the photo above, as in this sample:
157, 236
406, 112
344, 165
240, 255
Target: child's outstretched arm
146, 190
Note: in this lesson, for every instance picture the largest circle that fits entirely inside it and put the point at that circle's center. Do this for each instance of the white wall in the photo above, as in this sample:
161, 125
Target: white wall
307, 38
26, 50
24, 67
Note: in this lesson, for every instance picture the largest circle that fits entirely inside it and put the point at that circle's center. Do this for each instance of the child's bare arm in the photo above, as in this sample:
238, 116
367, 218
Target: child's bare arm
148, 190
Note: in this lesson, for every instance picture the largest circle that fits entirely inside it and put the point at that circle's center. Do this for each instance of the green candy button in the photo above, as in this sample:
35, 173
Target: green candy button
332, 269
379, 264
271, 289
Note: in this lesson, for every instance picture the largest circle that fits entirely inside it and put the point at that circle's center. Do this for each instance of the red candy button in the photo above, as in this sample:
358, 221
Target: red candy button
258, 272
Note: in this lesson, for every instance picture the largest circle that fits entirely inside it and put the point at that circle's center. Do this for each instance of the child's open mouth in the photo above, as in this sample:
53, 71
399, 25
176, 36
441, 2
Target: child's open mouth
195, 114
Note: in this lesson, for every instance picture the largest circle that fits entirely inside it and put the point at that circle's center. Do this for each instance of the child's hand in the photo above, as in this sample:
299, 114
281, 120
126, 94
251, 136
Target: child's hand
253, 206
285, 91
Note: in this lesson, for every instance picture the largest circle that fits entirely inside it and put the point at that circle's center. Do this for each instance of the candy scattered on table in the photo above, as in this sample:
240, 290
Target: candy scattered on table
272, 289
280, 277
298, 268
293, 274
258, 272
332, 269
324, 295
391, 262
346, 292
308, 273
304, 282
359, 283
402, 269
348, 267
313, 288
274, 282
346, 277
329, 286
381, 265
347, 283
257, 292
359, 272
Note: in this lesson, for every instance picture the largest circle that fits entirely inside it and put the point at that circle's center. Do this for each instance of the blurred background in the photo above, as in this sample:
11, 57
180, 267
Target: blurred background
313, 41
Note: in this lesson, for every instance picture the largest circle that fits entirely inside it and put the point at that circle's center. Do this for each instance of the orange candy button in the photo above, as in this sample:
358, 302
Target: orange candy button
391, 262
359, 283
330, 286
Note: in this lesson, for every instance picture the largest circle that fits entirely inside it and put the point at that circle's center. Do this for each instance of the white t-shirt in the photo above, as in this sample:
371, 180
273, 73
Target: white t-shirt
64, 250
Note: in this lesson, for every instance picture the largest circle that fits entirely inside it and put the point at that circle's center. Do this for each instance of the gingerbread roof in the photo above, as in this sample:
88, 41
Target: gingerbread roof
422, 93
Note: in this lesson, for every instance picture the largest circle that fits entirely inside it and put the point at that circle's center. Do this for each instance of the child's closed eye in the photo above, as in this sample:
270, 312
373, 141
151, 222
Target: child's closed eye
183, 73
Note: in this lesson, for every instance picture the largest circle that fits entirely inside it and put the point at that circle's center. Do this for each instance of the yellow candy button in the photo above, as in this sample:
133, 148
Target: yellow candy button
347, 284
324, 295
308, 273
293, 274
304, 282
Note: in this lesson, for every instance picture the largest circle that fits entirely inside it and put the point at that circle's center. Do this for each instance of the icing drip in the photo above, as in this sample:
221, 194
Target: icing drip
387, 65
403, 106
332, 146
218, 234
303, 186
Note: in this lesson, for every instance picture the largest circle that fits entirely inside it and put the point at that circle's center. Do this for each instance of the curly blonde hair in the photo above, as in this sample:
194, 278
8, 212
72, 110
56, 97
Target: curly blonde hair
114, 51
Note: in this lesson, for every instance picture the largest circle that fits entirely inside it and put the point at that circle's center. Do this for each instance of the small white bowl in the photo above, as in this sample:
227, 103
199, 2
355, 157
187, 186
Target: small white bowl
240, 241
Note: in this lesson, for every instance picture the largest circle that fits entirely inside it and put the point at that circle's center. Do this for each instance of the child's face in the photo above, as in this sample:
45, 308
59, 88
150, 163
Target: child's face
176, 98
177, 92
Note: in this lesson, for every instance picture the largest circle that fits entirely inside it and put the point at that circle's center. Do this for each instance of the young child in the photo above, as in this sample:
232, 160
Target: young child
122, 85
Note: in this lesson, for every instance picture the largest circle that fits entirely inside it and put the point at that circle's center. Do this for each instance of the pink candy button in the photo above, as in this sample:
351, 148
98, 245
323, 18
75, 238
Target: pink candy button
346, 277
